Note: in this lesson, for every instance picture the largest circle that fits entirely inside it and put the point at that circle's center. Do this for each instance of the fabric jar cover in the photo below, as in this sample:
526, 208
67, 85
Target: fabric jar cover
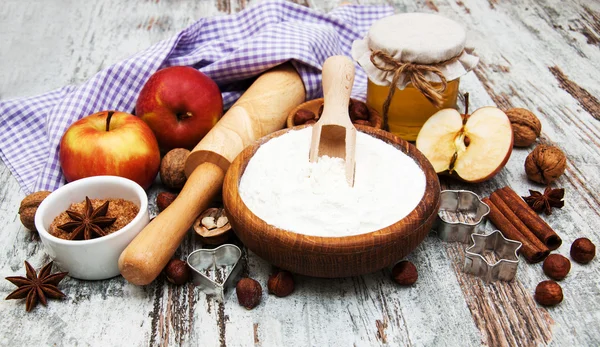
419, 38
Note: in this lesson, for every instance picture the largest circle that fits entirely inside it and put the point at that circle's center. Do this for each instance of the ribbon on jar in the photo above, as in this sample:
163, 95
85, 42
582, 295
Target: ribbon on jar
417, 75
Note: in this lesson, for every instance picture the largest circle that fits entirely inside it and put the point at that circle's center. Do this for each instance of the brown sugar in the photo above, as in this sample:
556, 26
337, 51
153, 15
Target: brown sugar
123, 210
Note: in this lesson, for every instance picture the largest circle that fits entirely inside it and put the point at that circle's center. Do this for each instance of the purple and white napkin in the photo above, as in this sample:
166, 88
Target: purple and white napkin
230, 49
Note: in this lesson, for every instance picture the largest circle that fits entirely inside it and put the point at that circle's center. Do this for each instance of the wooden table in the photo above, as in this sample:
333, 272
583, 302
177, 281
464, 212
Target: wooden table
543, 55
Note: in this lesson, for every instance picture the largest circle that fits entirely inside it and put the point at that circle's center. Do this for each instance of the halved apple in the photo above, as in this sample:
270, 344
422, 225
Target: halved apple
474, 147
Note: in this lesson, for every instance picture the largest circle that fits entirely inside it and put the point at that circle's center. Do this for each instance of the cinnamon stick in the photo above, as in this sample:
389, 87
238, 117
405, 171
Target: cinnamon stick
531, 253
517, 223
534, 222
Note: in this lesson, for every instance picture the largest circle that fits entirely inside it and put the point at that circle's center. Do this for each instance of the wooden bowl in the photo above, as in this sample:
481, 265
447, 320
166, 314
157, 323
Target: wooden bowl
332, 256
313, 106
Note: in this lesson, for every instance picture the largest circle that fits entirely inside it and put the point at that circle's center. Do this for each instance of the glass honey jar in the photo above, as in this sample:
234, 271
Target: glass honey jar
422, 57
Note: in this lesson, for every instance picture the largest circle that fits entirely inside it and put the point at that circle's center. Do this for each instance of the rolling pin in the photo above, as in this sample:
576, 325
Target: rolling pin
261, 110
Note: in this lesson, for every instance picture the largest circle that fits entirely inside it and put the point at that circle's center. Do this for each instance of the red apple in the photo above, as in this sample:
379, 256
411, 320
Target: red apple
180, 104
110, 143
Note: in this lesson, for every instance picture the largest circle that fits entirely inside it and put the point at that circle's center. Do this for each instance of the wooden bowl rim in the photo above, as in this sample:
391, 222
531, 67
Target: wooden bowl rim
335, 244
289, 123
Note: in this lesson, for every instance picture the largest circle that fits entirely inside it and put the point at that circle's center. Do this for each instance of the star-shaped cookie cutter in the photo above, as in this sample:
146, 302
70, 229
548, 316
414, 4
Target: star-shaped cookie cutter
216, 270
505, 250
460, 215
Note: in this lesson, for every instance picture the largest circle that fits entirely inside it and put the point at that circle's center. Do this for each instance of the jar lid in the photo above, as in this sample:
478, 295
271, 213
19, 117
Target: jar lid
417, 38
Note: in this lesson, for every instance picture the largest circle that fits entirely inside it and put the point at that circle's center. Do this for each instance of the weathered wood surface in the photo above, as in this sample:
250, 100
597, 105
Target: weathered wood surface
543, 55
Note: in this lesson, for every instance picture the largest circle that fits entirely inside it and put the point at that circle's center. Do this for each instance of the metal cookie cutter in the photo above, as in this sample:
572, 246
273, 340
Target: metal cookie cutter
505, 250
215, 270
460, 215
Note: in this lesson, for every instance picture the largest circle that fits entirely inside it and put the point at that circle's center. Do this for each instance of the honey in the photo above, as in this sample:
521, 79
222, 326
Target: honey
416, 53
409, 108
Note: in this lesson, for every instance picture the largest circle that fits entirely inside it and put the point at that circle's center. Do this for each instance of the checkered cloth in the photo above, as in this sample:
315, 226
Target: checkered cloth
230, 49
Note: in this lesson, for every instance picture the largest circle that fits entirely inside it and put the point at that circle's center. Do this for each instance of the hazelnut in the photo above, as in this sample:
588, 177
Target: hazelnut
249, 292
164, 199
302, 116
556, 266
548, 293
177, 271
29, 207
358, 110
172, 173
405, 273
526, 126
281, 284
545, 164
362, 122
583, 250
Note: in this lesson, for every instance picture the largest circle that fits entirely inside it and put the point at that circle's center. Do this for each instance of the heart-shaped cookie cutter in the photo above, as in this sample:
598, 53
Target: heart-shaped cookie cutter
460, 215
215, 270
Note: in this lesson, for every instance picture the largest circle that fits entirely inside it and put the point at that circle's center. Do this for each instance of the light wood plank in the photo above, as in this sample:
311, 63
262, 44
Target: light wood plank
541, 55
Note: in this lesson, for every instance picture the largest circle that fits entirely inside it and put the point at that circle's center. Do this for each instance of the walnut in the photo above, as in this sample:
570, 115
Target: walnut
526, 126
29, 207
545, 164
213, 227
172, 166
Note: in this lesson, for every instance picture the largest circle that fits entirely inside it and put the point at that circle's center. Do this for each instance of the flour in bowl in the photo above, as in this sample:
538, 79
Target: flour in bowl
284, 189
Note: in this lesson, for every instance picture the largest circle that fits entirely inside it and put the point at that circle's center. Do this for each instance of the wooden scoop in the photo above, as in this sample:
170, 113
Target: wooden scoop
334, 135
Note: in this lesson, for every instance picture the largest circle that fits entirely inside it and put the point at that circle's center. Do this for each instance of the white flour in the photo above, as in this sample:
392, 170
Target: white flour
284, 189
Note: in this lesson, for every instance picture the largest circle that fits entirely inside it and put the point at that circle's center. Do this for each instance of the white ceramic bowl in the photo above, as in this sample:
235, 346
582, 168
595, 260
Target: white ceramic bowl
94, 259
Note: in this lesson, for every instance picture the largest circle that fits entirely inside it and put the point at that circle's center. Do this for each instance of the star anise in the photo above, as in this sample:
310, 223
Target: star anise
91, 220
544, 202
36, 287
